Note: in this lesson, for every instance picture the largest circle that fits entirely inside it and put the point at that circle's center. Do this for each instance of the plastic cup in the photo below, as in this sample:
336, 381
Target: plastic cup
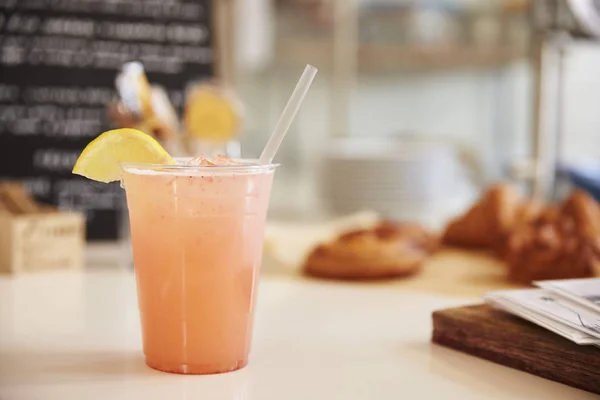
197, 238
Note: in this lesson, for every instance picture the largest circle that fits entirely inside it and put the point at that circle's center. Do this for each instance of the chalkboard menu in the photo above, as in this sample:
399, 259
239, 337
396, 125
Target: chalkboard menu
58, 62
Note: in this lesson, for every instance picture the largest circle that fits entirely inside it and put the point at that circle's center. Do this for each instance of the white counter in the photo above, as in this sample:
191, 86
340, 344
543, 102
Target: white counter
76, 336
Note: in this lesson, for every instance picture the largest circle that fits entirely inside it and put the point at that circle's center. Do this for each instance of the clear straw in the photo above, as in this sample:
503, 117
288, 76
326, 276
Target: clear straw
288, 115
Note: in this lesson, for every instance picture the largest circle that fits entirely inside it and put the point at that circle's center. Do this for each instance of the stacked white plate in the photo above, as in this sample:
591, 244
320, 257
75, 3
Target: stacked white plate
398, 178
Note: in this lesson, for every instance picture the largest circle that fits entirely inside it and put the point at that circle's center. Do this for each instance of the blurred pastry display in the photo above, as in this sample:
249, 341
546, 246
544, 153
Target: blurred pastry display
141, 105
387, 250
145, 107
536, 241
563, 242
210, 123
488, 221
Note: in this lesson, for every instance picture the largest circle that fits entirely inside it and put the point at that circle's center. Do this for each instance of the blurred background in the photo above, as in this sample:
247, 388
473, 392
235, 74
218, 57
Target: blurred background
418, 104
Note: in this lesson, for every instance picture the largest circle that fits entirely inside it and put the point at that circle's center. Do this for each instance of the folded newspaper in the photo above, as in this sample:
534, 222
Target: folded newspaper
569, 308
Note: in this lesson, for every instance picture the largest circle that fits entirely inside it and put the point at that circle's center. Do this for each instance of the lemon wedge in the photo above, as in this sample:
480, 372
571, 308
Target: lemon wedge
102, 157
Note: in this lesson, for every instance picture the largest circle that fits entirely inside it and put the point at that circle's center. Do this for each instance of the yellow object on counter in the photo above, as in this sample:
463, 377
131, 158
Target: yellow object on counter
212, 114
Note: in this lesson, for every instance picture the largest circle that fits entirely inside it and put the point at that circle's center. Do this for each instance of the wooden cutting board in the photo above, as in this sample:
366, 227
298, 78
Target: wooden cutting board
497, 336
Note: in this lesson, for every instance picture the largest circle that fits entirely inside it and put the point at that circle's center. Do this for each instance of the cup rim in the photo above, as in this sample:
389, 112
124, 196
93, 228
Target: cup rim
247, 166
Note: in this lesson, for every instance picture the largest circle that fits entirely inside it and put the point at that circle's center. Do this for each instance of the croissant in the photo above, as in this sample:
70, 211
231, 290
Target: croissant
561, 243
385, 251
489, 220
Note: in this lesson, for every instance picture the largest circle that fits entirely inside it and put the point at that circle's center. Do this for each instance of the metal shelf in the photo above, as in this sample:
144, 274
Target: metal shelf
377, 58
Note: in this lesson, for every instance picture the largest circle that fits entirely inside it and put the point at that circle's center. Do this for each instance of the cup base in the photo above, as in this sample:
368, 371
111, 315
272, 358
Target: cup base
196, 369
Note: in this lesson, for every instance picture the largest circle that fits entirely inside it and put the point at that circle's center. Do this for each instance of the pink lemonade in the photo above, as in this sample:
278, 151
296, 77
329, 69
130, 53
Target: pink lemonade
197, 237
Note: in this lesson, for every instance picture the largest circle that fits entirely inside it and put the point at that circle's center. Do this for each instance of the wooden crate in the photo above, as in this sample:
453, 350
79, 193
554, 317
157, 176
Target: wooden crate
41, 241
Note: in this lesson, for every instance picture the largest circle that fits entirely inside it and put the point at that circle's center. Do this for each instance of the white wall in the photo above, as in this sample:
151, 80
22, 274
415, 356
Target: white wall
582, 87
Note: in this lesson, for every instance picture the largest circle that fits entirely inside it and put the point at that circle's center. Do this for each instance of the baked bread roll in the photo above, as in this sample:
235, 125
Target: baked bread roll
388, 250
488, 221
562, 243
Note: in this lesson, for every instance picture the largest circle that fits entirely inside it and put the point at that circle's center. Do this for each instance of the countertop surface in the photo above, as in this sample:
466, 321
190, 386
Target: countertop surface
75, 335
